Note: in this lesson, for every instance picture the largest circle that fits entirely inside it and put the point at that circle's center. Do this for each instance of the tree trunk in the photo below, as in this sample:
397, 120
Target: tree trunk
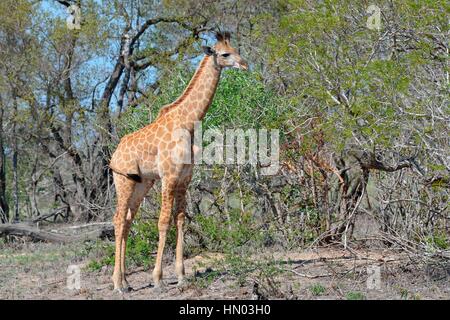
4, 208
15, 173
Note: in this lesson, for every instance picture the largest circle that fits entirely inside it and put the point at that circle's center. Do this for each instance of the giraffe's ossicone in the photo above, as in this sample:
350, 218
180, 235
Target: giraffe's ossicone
146, 155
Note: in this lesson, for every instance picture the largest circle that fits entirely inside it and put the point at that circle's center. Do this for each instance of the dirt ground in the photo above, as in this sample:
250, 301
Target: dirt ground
40, 271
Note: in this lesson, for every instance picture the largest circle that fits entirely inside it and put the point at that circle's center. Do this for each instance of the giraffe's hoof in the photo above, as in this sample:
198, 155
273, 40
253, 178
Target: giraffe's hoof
118, 291
126, 286
123, 290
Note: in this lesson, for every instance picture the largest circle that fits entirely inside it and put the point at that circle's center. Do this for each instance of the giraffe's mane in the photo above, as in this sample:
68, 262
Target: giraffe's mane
186, 91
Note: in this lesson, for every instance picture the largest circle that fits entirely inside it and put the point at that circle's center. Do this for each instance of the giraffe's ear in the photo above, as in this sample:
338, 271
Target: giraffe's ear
219, 36
223, 36
208, 50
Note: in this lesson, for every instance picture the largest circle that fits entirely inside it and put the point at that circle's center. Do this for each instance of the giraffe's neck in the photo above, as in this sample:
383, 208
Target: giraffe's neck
197, 97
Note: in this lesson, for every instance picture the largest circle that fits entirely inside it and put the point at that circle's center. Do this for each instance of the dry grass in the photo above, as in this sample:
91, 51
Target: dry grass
38, 271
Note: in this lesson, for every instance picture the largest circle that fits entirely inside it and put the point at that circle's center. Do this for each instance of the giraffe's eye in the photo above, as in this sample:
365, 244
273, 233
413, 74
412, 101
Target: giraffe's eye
225, 55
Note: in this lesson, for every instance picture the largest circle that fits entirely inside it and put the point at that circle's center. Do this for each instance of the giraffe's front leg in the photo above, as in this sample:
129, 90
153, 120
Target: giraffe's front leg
163, 227
129, 197
179, 222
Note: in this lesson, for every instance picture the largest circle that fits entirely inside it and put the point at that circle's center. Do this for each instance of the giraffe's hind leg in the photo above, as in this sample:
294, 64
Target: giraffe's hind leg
129, 197
140, 190
124, 192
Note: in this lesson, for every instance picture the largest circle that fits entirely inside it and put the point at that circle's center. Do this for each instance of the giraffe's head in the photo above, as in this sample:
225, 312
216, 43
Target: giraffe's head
225, 54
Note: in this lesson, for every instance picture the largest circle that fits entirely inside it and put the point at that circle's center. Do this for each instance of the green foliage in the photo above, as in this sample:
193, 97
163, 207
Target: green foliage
438, 240
143, 240
243, 266
322, 53
103, 255
228, 235
241, 100
317, 289
204, 279
355, 295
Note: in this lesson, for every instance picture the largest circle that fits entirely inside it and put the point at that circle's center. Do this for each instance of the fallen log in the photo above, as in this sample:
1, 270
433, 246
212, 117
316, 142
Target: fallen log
24, 230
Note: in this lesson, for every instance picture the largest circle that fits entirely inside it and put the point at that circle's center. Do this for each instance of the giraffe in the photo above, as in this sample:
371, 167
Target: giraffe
144, 156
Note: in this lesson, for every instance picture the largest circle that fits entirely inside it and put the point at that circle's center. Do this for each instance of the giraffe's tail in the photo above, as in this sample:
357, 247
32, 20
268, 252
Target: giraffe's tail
133, 176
